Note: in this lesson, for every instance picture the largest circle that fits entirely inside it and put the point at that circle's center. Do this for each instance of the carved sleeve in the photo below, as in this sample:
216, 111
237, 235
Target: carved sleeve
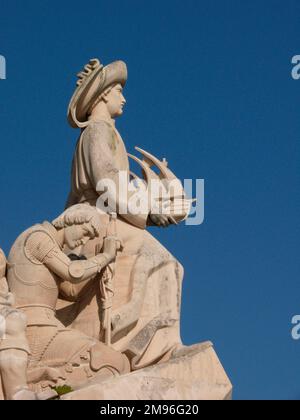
74, 271
40, 248
99, 147
38, 245
99, 150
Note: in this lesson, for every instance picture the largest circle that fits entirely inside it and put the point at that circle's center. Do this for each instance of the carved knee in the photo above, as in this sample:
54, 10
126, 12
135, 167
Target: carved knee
14, 332
105, 357
15, 324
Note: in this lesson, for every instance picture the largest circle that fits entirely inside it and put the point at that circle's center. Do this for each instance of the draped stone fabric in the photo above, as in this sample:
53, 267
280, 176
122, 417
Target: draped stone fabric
148, 279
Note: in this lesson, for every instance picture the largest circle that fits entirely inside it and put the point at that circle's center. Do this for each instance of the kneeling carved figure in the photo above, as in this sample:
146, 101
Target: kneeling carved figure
38, 271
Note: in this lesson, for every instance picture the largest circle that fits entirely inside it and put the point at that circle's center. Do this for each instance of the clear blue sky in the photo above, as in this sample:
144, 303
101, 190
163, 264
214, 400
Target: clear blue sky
209, 87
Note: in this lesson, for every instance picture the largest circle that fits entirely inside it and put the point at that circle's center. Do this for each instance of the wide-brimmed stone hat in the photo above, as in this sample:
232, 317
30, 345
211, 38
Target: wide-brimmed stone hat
92, 81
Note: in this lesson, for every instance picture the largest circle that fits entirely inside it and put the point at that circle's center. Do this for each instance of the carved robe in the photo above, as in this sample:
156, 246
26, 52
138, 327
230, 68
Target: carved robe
148, 278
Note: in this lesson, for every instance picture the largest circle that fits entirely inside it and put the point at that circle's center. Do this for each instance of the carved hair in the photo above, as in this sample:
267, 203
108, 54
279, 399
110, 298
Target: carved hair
100, 97
79, 215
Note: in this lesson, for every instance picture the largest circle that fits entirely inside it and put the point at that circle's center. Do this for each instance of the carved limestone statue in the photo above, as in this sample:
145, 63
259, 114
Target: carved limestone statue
92, 300
38, 271
147, 279
14, 347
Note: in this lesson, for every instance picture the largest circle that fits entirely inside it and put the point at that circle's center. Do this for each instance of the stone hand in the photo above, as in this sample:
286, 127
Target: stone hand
111, 246
171, 212
161, 220
115, 321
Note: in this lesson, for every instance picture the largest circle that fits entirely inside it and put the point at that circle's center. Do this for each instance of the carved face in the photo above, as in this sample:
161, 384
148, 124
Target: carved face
115, 101
78, 235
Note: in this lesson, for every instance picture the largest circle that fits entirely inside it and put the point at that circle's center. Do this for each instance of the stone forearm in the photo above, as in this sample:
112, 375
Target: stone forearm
84, 270
76, 272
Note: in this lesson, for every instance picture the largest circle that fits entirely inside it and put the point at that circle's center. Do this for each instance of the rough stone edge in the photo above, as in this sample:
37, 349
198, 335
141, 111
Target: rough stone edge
201, 347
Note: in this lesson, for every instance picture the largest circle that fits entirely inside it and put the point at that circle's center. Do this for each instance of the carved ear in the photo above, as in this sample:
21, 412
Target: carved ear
104, 97
105, 94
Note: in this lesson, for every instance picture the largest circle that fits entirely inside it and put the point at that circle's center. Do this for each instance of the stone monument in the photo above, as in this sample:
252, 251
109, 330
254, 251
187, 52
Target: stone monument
94, 297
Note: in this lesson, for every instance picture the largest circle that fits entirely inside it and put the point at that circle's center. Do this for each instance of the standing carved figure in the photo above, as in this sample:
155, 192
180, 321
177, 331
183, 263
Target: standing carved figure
93, 295
147, 281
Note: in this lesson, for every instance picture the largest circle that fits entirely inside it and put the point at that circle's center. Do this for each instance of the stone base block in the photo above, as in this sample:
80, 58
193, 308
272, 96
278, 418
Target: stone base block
195, 373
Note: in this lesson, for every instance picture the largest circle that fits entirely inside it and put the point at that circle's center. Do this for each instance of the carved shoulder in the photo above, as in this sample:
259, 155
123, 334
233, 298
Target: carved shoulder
38, 245
99, 134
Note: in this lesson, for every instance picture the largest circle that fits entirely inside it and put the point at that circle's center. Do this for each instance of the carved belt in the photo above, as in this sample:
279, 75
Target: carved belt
40, 315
